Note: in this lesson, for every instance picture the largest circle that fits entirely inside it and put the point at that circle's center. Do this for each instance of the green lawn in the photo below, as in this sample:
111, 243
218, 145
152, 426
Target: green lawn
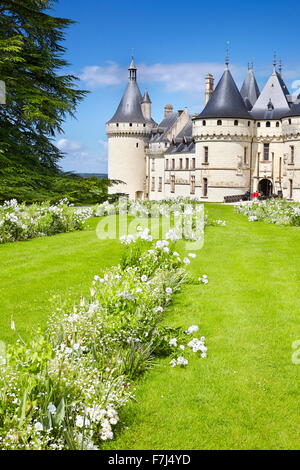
33, 272
245, 395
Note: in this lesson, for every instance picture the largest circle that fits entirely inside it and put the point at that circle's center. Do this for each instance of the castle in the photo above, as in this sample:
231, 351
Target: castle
243, 141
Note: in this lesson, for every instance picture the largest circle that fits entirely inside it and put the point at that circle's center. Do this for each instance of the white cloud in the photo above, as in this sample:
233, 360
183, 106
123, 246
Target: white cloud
67, 145
186, 77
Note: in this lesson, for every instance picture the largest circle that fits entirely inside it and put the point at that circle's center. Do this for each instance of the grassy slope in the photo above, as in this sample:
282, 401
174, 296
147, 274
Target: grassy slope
33, 272
245, 395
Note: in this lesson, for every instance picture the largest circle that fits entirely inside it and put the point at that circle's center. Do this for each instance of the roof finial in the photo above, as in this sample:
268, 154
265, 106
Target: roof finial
280, 66
227, 54
275, 61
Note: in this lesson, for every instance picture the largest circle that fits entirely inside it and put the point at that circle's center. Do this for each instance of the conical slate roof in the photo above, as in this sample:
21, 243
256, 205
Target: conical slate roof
146, 98
226, 101
273, 100
250, 91
129, 109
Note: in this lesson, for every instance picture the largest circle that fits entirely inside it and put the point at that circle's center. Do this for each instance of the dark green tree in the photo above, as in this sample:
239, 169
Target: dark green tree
39, 96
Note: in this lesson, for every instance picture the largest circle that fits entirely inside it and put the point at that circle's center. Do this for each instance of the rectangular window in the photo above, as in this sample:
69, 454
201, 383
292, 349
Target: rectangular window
266, 152
193, 163
172, 183
292, 154
245, 155
173, 163
160, 184
167, 164
204, 187
205, 154
192, 184
153, 164
187, 164
153, 184
180, 164
291, 189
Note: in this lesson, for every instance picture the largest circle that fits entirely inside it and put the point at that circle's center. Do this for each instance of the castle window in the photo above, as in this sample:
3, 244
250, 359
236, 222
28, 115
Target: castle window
130, 124
268, 124
277, 124
187, 164
144, 125
292, 154
236, 122
137, 145
204, 187
205, 154
258, 124
266, 151
180, 164
160, 184
167, 164
192, 189
193, 163
291, 189
166, 144
249, 123
117, 124
172, 183
219, 122
245, 155
153, 164
290, 121
173, 163
203, 123
153, 183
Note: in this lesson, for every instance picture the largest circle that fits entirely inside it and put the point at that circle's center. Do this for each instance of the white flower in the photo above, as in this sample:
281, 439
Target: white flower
192, 329
169, 290
144, 278
181, 361
52, 408
38, 426
175, 253
182, 347
192, 255
173, 342
186, 261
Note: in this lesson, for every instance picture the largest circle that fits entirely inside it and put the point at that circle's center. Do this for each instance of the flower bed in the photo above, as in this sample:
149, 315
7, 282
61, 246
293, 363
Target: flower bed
273, 211
21, 222
65, 389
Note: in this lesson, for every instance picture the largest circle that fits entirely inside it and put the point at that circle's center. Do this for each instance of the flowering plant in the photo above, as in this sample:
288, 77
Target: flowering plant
273, 211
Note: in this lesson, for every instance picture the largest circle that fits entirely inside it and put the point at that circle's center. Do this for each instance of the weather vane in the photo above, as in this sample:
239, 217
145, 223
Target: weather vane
227, 53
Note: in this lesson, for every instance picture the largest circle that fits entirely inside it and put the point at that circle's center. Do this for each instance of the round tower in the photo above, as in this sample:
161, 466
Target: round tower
128, 135
291, 171
223, 135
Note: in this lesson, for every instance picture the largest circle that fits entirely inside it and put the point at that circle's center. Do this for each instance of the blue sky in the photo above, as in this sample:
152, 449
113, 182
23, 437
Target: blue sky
175, 44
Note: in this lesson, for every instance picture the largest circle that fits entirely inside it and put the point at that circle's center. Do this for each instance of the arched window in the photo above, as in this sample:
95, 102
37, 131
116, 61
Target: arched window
130, 124
137, 145
236, 122
117, 124
258, 124
290, 121
277, 124
219, 122
268, 124
249, 123
203, 123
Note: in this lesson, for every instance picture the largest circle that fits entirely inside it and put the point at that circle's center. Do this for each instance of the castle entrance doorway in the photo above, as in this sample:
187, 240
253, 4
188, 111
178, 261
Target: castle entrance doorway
265, 188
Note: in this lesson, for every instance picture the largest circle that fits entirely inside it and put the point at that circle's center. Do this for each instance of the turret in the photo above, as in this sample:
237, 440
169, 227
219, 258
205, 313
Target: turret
146, 106
128, 134
250, 91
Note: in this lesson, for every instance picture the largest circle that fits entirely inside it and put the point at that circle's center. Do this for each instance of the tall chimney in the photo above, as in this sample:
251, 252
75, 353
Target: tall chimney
168, 109
209, 87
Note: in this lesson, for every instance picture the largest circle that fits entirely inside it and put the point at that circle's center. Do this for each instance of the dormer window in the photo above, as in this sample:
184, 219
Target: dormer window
219, 122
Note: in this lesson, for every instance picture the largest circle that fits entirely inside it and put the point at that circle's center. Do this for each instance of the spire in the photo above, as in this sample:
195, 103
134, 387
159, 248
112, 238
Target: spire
132, 70
146, 98
226, 101
227, 55
129, 109
250, 91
